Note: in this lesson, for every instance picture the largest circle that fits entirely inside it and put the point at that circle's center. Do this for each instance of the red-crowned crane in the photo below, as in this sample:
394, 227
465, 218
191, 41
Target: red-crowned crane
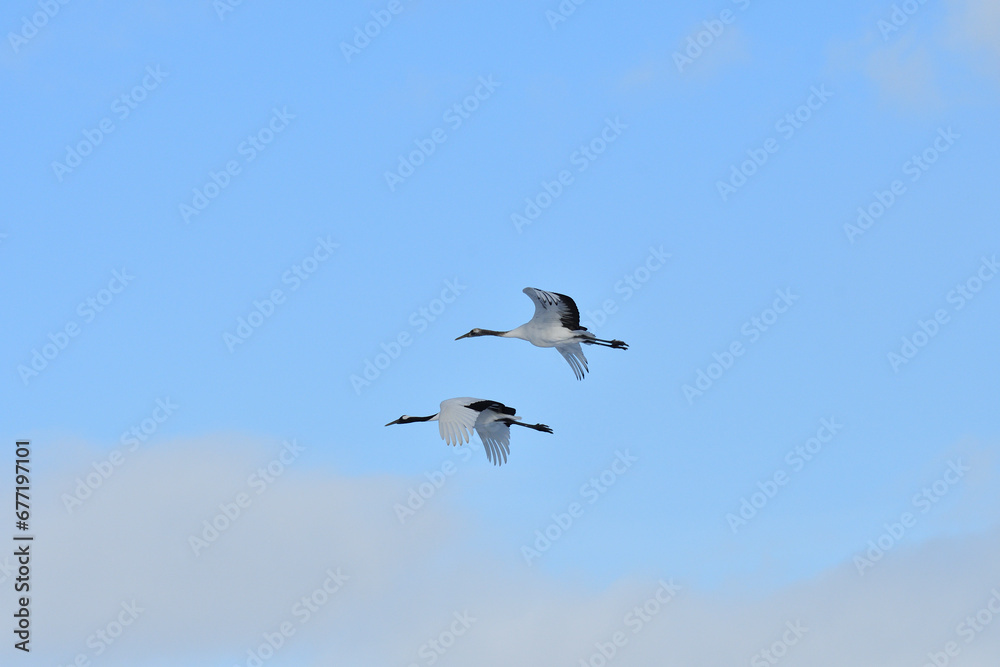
556, 324
490, 419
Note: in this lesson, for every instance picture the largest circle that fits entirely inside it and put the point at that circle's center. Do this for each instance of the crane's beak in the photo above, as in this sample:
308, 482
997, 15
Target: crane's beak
393, 422
464, 336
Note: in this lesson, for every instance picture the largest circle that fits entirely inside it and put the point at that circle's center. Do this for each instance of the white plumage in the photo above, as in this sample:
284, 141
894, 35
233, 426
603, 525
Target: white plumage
458, 417
556, 323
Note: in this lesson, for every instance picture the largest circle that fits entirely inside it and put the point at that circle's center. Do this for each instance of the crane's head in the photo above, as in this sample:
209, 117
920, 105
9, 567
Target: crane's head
405, 419
473, 334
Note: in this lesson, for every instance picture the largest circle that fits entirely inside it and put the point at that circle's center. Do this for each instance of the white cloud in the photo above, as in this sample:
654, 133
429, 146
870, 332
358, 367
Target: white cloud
689, 60
929, 60
905, 72
975, 28
129, 541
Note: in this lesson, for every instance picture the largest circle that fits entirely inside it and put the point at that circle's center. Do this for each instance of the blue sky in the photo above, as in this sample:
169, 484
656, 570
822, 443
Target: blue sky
698, 173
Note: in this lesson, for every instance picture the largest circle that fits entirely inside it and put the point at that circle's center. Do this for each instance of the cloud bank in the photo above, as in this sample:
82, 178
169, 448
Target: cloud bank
291, 566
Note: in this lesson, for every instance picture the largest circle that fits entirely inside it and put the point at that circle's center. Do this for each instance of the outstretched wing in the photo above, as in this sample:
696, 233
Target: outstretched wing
573, 354
552, 307
456, 420
495, 434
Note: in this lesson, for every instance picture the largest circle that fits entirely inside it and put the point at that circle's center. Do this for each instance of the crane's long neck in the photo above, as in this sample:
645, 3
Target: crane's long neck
490, 332
429, 418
